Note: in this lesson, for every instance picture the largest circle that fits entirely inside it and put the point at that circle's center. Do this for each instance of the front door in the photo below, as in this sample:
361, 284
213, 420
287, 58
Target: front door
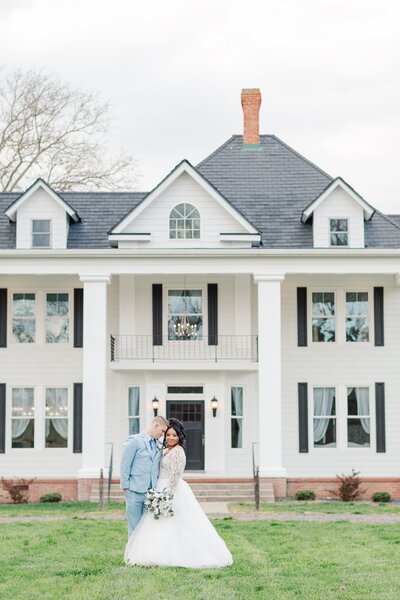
191, 414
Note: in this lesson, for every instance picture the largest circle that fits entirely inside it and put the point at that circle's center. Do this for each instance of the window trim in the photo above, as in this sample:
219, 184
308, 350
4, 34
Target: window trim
185, 239
69, 417
50, 234
330, 231
204, 299
10, 316
9, 417
243, 446
371, 323
323, 290
70, 316
341, 419
140, 415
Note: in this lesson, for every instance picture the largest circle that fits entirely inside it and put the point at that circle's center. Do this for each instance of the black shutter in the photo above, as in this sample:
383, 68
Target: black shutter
303, 417
157, 314
78, 318
3, 318
212, 299
380, 417
302, 316
77, 437
378, 316
2, 418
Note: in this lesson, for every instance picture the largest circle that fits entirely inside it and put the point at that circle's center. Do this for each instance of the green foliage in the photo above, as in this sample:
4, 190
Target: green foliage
305, 495
51, 497
381, 497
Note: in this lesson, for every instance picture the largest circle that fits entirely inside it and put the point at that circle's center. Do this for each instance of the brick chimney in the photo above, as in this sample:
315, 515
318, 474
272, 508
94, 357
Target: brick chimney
251, 102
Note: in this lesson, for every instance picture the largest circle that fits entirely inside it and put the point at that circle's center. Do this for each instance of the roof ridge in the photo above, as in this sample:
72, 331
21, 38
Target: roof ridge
200, 164
299, 155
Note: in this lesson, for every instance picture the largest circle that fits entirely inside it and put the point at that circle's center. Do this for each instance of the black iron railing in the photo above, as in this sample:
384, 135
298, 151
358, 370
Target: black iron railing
141, 347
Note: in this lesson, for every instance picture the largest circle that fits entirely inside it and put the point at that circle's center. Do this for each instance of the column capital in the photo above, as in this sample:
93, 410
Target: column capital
95, 278
268, 277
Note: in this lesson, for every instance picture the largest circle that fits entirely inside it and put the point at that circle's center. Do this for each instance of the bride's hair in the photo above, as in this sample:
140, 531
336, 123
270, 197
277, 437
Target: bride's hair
179, 430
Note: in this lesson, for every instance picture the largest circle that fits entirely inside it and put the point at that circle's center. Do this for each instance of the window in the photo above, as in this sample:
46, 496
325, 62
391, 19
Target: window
339, 232
236, 417
324, 421
41, 235
56, 418
357, 327
22, 418
24, 318
358, 417
184, 222
185, 315
323, 317
57, 318
134, 410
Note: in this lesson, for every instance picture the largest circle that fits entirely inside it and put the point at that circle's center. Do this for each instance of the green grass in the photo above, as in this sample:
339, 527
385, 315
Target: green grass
356, 508
57, 508
82, 560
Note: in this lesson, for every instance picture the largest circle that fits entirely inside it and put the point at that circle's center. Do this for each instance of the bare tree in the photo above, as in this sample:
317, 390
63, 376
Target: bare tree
50, 130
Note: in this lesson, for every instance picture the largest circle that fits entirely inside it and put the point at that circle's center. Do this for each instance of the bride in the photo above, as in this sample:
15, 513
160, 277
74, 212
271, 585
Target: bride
187, 539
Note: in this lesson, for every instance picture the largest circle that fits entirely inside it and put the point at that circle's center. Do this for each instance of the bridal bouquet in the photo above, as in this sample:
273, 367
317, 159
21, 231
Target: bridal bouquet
159, 503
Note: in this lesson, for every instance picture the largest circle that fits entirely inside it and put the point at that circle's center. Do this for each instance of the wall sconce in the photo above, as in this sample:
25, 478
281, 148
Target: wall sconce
214, 406
155, 404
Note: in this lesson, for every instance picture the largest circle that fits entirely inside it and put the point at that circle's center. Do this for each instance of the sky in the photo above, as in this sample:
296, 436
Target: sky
173, 70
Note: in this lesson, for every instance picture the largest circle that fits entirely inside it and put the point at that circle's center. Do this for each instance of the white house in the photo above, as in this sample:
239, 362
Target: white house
253, 296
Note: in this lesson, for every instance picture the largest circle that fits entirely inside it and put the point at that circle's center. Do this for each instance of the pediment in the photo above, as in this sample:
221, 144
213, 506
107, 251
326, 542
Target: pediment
38, 185
184, 184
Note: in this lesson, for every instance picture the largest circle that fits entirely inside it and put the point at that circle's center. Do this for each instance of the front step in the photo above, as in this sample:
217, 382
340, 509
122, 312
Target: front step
205, 492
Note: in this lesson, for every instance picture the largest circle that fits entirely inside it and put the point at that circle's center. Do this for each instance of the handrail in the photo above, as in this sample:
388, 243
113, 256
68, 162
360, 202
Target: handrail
142, 347
110, 471
256, 476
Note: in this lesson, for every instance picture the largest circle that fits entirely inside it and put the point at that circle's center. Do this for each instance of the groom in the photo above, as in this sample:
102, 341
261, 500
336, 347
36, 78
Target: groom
140, 465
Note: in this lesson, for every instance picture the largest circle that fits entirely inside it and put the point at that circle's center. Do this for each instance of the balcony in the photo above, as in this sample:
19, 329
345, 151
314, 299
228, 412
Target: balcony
140, 347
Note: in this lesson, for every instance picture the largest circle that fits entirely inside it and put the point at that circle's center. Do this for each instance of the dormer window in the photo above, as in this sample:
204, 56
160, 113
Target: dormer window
41, 233
184, 222
339, 232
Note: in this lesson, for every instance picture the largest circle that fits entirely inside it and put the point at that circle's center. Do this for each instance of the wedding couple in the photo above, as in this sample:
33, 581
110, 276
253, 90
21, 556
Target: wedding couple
187, 539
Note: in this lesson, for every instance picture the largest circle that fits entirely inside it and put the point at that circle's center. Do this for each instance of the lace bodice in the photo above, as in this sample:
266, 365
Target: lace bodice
172, 466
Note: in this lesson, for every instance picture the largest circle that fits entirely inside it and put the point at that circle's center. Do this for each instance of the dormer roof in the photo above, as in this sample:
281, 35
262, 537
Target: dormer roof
11, 210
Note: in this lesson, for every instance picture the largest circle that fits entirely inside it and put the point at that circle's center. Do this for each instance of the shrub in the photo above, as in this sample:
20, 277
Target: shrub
349, 487
51, 497
305, 495
381, 497
17, 489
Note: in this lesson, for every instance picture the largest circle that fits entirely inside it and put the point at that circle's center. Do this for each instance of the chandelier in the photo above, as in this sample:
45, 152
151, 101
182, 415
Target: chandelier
185, 330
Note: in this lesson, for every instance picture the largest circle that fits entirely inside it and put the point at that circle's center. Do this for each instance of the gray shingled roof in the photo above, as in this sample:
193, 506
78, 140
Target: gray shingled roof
270, 186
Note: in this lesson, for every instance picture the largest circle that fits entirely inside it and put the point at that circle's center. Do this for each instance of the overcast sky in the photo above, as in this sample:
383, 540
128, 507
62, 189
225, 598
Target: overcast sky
329, 73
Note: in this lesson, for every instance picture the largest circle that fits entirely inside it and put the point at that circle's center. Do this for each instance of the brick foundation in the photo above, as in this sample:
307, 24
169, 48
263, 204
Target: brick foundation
321, 486
66, 487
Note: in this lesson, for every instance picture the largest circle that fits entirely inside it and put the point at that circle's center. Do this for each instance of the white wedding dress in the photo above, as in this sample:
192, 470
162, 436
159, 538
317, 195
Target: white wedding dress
185, 540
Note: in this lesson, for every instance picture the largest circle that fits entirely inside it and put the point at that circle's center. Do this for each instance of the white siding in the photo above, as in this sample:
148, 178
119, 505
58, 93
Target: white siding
338, 205
41, 206
340, 364
155, 218
40, 365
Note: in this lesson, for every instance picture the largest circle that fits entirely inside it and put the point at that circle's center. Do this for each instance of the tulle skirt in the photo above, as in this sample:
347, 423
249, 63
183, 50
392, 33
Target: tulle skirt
187, 539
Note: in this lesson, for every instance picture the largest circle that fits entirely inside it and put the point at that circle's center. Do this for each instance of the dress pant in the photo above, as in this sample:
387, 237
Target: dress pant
134, 508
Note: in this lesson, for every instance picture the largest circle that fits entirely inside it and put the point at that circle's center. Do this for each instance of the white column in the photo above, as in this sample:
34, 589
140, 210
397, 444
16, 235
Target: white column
269, 375
94, 374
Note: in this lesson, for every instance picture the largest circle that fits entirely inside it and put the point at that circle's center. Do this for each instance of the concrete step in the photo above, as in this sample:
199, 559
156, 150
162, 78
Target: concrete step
206, 492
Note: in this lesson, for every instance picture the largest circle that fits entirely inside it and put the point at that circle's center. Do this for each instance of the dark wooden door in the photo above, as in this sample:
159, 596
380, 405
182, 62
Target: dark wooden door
191, 415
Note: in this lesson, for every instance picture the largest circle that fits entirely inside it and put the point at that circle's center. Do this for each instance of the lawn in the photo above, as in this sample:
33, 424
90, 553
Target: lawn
325, 507
81, 559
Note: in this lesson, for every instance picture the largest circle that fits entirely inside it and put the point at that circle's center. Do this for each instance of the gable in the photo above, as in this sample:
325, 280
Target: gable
148, 224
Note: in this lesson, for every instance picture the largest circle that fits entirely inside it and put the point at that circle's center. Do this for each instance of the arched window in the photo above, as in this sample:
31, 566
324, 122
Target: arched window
184, 222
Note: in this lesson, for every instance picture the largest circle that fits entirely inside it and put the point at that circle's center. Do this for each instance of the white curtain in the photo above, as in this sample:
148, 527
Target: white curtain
362, 395
323, 401
57, 407
22, 404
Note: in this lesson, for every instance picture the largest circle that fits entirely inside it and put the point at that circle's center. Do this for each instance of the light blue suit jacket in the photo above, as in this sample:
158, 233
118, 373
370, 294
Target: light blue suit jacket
139, 468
